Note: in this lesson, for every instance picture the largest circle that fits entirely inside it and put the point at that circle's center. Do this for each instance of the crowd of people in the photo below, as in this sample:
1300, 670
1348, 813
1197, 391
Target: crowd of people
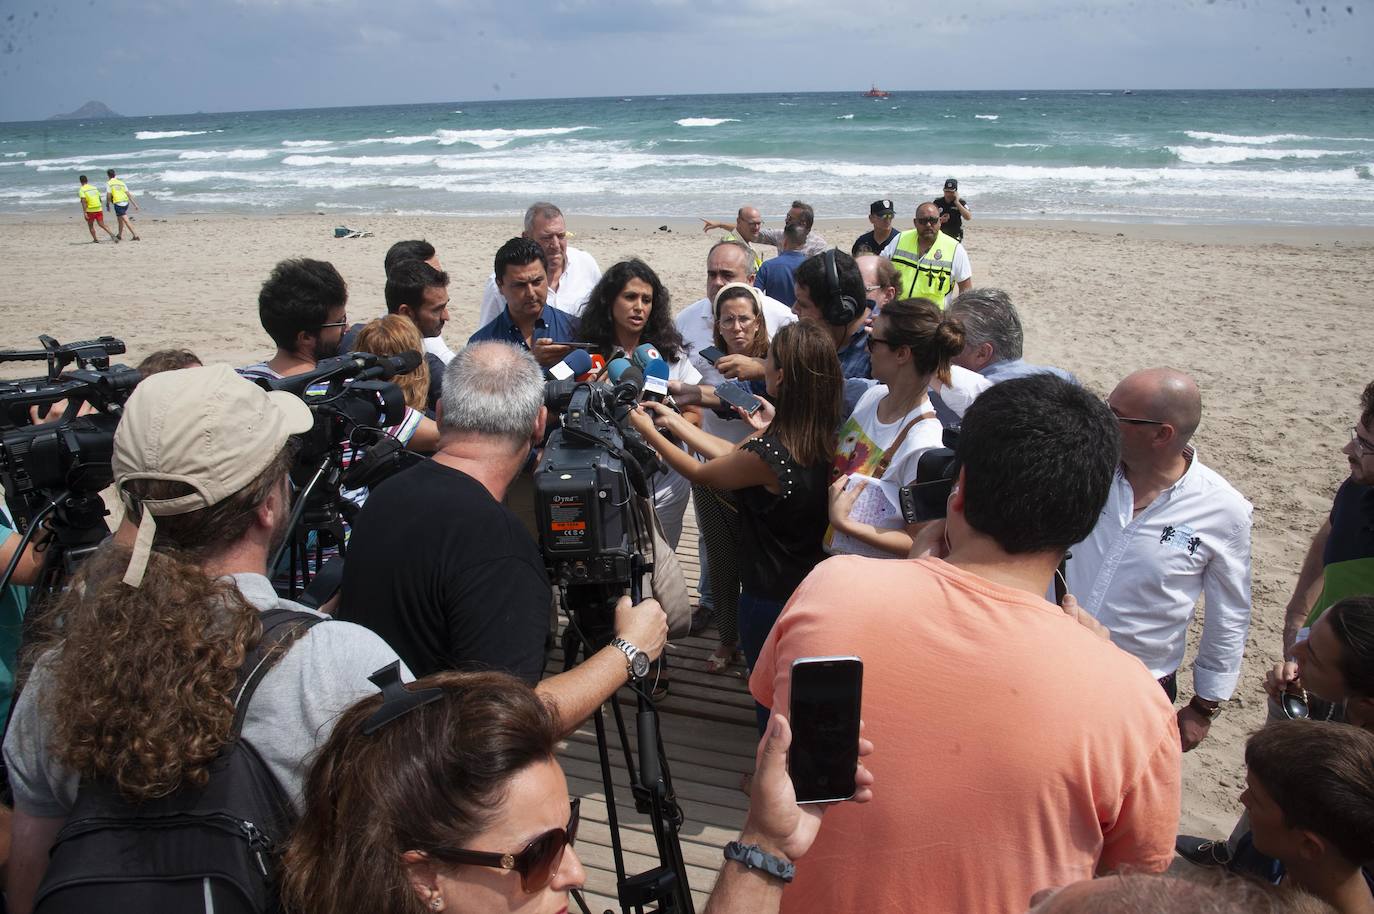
1022, 652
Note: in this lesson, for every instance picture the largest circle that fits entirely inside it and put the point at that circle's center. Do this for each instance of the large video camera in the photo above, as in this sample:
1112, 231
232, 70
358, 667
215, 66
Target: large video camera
59, 466
593, 469
353, 401
927, 498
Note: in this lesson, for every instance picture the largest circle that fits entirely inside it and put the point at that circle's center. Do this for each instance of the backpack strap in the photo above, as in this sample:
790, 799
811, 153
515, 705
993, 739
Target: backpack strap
896, 445
280, 629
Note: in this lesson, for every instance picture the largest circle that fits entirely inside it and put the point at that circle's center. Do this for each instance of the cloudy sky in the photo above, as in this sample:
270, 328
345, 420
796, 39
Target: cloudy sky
177, 56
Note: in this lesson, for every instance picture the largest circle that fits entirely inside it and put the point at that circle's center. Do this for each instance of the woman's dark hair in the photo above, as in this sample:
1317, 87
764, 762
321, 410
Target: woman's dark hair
1321, 776
598, 318
1352, 622
427, 781
297, 297
933, 339
810, 393
758, 346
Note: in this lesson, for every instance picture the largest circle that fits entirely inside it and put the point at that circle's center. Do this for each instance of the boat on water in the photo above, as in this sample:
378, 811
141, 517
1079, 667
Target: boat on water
875, 92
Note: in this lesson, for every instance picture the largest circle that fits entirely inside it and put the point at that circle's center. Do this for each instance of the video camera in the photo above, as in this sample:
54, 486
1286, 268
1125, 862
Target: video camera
56, 463
927, 498
594, 467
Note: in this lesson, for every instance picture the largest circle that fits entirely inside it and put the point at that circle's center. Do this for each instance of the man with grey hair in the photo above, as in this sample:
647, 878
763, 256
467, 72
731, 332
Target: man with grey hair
993, 338
572, 272
449, 576
799, 213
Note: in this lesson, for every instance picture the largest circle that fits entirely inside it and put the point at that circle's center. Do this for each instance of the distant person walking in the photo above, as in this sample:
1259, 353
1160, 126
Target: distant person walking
117, 193
90, 208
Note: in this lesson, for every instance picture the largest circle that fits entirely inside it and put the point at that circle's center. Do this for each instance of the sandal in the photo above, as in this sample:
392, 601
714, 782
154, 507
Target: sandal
718, 664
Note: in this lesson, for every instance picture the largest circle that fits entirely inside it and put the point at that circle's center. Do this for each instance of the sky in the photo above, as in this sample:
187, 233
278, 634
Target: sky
179, 56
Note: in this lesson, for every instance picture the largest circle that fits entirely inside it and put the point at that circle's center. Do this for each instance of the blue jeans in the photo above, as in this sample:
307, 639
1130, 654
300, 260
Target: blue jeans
756, 618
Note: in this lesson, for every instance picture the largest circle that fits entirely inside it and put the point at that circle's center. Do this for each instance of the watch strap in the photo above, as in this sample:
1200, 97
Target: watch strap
1206, 711
630, 652
755, 858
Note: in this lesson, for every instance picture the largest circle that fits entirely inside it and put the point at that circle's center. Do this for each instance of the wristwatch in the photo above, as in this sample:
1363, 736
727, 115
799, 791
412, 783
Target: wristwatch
754, 858
1207, 711
636, 661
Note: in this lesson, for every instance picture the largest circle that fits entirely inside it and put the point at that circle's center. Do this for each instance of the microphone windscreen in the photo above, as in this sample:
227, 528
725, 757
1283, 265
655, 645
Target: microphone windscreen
656, 377
408, 361
646, 353
617, 368
575, 363
598, 364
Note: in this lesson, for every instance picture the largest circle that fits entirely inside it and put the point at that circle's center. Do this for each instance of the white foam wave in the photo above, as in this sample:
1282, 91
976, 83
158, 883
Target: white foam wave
244, 155
1021, 145
395, 140
497, 137
15, 155
704, 121
166, 134
304, 144
844, 117
304, 161
987, 117
199, 177
1264, 140
1225, 155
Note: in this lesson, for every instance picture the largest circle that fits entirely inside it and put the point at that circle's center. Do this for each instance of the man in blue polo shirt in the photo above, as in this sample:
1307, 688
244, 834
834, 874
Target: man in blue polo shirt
522, 276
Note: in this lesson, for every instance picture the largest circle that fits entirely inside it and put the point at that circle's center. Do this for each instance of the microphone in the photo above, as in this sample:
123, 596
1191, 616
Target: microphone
627, 380
655, 369
598, 365
387, 367
576, 363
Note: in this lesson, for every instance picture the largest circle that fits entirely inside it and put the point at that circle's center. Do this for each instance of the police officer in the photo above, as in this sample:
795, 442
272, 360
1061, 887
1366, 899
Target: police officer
929, 263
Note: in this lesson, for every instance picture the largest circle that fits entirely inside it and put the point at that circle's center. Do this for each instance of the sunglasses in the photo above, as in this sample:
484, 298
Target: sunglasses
1130, 420
342, 323
1294, 705
536, 864
927, 220
872, 341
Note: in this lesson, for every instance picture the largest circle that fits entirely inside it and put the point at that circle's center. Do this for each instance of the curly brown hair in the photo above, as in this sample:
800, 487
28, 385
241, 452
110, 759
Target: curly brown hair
142, 679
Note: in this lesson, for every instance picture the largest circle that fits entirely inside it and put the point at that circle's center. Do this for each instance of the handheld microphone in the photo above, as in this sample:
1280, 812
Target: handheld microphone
598, 366
577, 362
627, 380
656, 371
387, 367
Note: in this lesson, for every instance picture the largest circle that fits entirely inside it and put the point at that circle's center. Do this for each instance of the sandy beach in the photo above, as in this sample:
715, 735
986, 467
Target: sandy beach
1271, 321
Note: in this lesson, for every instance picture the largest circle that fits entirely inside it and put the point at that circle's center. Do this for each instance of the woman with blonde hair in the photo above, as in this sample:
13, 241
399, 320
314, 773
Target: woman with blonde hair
393, 335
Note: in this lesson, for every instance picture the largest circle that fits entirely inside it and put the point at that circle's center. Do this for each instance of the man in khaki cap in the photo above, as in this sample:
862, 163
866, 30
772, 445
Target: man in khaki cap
134, 688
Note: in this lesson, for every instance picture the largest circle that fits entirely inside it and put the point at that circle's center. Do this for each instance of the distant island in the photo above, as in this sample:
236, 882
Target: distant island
87, 112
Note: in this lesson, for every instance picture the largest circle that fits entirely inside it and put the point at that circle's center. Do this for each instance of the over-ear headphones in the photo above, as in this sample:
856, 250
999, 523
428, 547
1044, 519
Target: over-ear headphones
839, 308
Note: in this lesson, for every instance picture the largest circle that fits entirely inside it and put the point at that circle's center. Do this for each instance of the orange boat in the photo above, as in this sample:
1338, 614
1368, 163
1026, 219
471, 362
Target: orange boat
875, 92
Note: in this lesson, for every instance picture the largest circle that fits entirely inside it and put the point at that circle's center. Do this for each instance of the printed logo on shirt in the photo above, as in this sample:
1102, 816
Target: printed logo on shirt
1181, 536
855, 452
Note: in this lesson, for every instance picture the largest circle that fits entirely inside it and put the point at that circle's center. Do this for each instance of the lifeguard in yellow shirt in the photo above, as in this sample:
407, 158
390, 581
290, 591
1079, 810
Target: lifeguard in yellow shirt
90, 208
117, 193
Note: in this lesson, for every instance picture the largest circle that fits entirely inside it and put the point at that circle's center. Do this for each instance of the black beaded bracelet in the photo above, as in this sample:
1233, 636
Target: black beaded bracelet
755, 858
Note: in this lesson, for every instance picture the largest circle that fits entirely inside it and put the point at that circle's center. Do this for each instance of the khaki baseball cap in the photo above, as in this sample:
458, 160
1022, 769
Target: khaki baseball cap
209, 428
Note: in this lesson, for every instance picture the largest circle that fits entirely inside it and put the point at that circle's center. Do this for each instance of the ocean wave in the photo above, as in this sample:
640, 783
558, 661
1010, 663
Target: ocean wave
987, 117
13, 155
1226, 155
244, 155
497, 137
305, 144
705, 121
1021, 145
395, 140
199, 177
304, 161
166, 134
1246, 140
844, 117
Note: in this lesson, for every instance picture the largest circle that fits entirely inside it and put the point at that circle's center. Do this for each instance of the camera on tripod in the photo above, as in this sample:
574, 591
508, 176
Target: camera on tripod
59, 467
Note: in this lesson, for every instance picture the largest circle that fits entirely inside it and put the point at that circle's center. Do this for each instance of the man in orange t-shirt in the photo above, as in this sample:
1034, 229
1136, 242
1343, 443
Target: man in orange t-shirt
1020, 749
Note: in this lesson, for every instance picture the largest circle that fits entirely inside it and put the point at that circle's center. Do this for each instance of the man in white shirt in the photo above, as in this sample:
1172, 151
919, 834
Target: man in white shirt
1172, 530
572, 273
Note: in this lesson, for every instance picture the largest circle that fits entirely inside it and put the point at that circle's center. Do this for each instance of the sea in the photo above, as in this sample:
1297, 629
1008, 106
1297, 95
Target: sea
1283, 157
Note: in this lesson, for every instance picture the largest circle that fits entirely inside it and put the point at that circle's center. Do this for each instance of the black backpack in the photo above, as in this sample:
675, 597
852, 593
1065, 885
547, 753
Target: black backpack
208, 849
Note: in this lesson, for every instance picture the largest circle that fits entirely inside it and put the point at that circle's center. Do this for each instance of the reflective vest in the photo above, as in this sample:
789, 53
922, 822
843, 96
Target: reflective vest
91, 197
924, 276
119, 191
758, 259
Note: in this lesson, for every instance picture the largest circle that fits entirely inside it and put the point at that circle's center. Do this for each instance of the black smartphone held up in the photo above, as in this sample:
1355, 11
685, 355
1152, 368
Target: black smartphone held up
711, 354
824, 710
735, 395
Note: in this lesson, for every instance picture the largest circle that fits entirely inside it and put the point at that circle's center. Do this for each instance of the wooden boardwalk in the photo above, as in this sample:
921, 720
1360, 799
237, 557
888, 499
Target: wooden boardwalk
708, 730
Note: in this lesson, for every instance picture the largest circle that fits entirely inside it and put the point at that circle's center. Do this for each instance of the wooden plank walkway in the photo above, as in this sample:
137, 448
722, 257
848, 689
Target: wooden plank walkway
708, 730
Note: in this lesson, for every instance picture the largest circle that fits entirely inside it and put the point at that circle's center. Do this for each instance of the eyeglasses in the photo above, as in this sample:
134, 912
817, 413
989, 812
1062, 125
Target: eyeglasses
536, 864
872, 341
745, 321
342, 323
927, 220
1130, 420
1362, 444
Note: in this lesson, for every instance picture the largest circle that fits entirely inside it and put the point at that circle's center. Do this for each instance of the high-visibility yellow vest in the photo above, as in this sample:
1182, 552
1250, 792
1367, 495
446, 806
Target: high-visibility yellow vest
926, 275
119, 191
758, 259
90, 197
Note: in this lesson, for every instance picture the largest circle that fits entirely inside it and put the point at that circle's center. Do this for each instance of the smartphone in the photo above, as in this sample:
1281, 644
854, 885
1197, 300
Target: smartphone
824, 710
711, 354
574, 344
737, 396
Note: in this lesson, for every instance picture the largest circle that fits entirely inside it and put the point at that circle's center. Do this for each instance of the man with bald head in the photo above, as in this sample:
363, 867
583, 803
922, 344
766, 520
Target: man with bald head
1172, 530
880, 281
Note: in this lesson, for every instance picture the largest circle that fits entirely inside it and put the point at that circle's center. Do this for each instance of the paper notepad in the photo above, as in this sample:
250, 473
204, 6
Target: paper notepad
877, 505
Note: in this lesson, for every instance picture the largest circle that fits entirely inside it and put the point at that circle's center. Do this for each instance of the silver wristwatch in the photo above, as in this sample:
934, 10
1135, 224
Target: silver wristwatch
636, 661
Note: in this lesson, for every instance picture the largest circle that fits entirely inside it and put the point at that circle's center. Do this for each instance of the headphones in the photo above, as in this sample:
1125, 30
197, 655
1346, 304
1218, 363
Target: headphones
838, 308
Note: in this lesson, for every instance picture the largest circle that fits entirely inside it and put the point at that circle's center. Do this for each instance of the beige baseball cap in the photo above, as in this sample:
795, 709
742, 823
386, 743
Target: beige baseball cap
209, 428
